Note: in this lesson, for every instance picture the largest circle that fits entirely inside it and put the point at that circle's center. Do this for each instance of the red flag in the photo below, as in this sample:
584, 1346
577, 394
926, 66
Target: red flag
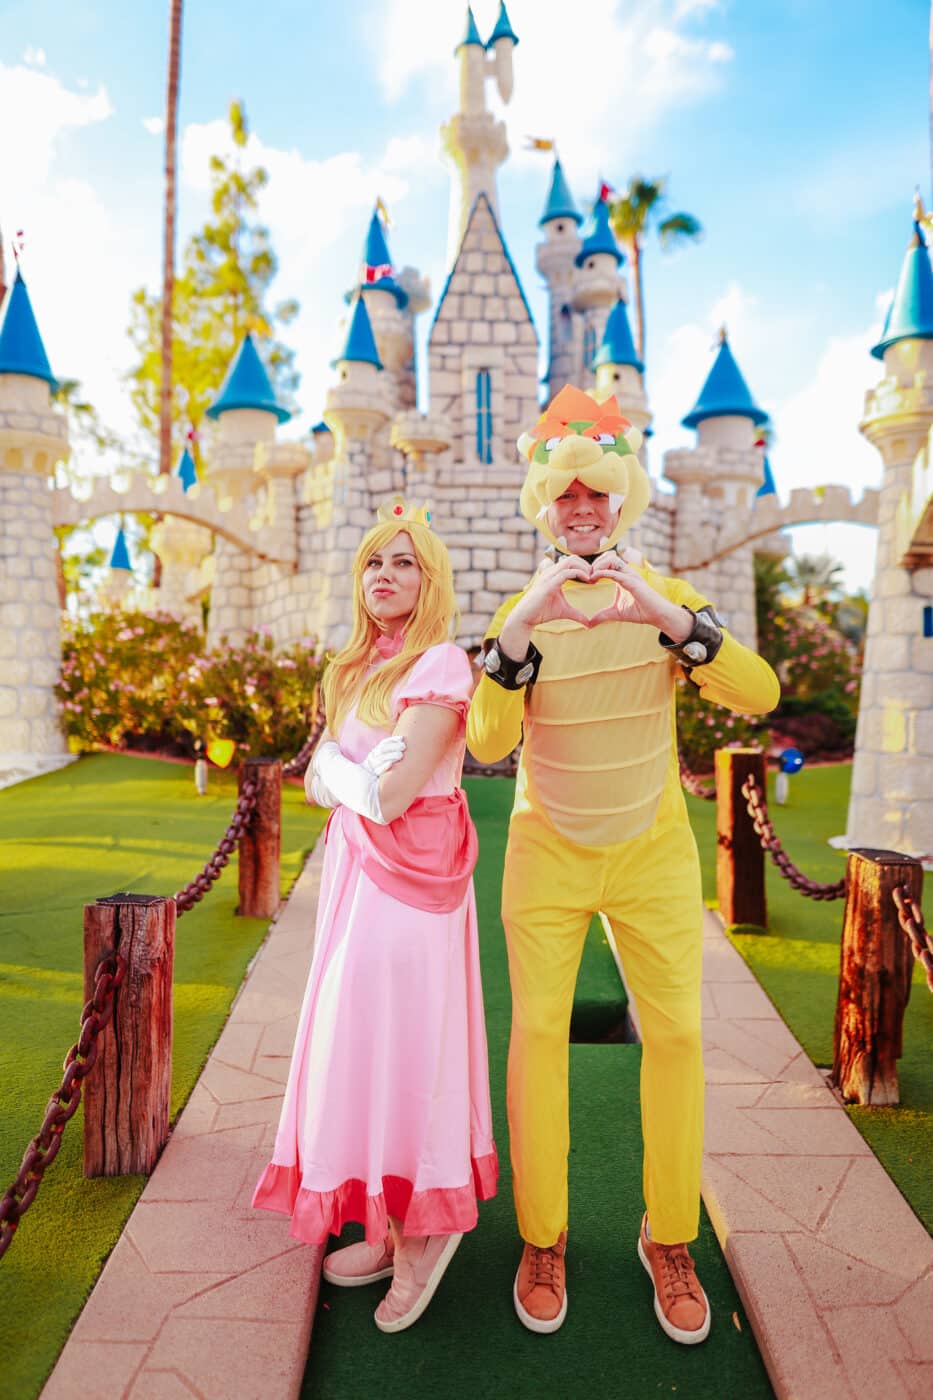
605, 191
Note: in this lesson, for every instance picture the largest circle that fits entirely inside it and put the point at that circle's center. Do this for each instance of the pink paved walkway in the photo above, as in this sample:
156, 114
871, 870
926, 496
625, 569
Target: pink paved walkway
205, 1297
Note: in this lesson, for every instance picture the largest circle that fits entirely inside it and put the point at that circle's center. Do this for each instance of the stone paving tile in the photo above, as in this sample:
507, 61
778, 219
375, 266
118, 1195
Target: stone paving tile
130, 1302
795, 1345
802, 1187
263, 1111
199, 1115
274, 1290
913, 1312
162, 1385
871, 1351
204, 1169
877, 1228
238, 1043
723, 1068
820, 1131
742, 999
233, 1085
265, 1364
94, 1370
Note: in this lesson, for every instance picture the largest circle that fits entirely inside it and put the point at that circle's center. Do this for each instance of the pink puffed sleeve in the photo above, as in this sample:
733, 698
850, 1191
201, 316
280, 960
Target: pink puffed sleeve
442, 676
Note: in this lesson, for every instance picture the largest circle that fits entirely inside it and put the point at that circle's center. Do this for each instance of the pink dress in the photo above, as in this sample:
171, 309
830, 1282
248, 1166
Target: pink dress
387, 1108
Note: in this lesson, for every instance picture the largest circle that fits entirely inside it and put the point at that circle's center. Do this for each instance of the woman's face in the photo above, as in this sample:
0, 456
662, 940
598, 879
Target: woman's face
391, 583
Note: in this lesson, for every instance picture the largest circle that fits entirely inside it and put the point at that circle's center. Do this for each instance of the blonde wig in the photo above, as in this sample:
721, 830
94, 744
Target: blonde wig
434, 619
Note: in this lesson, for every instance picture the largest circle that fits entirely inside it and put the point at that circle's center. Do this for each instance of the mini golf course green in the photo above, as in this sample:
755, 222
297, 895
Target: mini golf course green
797, 963
469, 1343
106, 824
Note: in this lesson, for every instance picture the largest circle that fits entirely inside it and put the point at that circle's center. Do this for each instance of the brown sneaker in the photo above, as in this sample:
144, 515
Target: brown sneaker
540, 1292
680, 1304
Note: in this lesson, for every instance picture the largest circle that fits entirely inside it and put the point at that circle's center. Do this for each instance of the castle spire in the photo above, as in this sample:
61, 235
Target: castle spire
910, 315
21, 348
247, 385
725, 393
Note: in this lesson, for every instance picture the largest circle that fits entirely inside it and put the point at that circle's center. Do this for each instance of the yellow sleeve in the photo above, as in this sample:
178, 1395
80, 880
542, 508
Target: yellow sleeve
494, 724
737, 677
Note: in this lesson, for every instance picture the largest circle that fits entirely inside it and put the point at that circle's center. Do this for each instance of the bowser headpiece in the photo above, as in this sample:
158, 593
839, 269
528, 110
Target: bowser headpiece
579, 439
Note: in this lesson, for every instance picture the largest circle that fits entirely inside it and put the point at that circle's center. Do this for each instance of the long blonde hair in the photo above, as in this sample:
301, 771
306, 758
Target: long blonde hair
434, 619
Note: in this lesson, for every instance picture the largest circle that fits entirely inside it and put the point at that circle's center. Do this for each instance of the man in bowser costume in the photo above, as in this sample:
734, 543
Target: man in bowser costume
581, 665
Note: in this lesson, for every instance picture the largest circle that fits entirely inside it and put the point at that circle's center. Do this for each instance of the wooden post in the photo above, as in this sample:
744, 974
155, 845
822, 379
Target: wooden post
126, 1095
261, 844
875, 969
740, 860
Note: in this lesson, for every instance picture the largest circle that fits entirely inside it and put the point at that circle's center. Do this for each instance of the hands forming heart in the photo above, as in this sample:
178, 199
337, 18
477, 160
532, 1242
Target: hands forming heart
635, 600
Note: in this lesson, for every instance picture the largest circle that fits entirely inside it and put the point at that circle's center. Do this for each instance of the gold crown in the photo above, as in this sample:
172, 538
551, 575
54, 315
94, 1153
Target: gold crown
399, 509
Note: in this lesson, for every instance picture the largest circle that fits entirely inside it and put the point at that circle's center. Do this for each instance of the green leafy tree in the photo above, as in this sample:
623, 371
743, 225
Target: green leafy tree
817, 578
632, 216
220, 293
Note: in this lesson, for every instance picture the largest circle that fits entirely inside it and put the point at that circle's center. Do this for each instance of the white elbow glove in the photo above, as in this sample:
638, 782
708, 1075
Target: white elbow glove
338, 781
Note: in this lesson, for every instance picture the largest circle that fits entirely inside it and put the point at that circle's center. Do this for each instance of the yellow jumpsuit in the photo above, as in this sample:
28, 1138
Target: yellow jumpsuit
599, 823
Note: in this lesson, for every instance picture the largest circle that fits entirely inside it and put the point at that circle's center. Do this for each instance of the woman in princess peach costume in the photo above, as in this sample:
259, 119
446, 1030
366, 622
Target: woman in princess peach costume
386, 1119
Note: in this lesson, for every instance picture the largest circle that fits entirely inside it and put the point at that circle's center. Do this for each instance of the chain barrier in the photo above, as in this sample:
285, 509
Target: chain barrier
63, 1105
693, 783
197, 888
758, 811
910, 918
296, 766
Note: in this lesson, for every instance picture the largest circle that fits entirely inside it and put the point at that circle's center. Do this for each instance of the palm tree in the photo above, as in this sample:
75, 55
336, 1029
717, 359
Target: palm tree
168, 248
168, 239
817, 576
631, 216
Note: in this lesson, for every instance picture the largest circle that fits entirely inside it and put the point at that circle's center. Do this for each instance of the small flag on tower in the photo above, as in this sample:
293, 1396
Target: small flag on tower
539, 143
605, 191
383, 212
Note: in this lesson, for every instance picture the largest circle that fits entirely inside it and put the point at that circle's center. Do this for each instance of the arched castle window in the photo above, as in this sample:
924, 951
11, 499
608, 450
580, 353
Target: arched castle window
589, 347
483, 416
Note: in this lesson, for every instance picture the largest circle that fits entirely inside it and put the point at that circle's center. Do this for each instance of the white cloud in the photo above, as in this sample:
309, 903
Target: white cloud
154, 125
38, 108
595, 89
34, 57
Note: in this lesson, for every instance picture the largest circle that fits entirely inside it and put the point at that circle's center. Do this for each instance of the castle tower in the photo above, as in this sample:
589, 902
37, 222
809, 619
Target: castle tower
183, 546
119, 581
716, 482
33, 438
597, 287
554, 259
391, 308
891, 803
247, 413
475, 142
618, 369
349, 487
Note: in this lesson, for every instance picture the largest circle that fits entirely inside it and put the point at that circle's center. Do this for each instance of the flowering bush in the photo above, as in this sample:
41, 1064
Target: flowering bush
134, 681
820, 673
702, 728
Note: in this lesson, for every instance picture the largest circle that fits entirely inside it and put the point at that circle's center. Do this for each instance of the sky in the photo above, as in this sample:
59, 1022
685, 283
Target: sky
796, 131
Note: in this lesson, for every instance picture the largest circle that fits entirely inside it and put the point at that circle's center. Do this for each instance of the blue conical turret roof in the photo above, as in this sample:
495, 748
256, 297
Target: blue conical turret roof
910, 315
321, 427
725, 393
377, 271
247, 386
360, 346
560, 203
120, 558
471, 34
600, 238
503, 29
767, 487
21, 348
186, 471
618, 347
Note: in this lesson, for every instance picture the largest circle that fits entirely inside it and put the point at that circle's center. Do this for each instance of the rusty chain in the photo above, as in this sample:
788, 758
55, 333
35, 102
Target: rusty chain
63, 1105
758, 811
297, 765
693, 783
197, 888
910, 917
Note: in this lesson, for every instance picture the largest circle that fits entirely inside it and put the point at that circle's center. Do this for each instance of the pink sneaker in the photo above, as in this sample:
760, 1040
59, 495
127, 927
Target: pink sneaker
361, 1263
419, 1268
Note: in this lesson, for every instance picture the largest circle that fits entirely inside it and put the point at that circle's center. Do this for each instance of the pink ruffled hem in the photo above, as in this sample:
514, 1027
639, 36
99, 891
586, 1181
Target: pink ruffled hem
317, 1214
434, 697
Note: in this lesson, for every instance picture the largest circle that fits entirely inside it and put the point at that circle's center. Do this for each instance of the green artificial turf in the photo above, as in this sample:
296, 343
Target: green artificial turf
108, 823
469, 1343
797, 963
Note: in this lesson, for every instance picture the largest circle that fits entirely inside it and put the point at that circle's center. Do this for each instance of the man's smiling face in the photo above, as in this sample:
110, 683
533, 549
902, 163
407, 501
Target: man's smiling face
583, 517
